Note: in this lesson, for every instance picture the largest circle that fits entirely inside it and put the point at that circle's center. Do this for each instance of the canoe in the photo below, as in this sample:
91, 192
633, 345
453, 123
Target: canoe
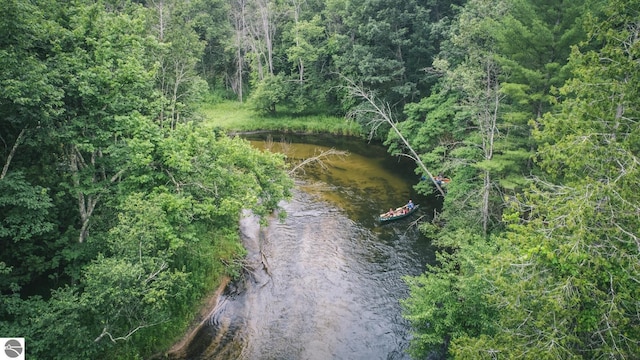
442, 181
398, 217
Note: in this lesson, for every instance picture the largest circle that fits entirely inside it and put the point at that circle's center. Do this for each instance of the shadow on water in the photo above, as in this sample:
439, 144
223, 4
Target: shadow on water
327, 282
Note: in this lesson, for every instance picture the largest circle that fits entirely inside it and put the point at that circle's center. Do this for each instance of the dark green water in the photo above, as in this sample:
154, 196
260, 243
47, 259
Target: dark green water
326, 283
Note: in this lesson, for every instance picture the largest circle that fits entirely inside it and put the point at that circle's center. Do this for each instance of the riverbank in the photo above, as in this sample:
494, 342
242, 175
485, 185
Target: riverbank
233, 116
179, 349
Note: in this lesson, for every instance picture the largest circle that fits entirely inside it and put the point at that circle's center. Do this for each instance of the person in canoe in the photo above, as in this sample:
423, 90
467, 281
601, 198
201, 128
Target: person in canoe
441, 180
388, 214
399, 213
409, 205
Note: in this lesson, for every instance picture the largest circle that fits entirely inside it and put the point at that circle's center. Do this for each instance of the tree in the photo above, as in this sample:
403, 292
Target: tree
178, 52
385, 45
476, 126
446, 302
269, 93
588, 225
239, 36
107, 90
29, 97
478, 79
25, 227
565, 276
380, 114
308, 46
115, 225
476, 121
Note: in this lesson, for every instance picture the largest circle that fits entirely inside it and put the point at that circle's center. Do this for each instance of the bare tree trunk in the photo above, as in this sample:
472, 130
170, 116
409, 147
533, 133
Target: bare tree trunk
87, 202
382, 114
317, 159
239, 81
486, 191
163, 13
163, 91
488, 125
180, 76
296, 17
12, 153
163, 17
240, 24
256, 50
261, 30
268, 31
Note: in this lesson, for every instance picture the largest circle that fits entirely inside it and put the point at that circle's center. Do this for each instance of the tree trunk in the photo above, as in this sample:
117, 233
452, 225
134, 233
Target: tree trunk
488, 124
268, 30
383, 115
87, 201
240, 24
12, 153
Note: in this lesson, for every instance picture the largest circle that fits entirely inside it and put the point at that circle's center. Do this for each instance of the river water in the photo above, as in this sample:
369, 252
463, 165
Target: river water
325, 283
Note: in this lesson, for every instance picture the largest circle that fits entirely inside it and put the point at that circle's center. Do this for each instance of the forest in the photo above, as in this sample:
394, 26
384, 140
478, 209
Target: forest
119, 211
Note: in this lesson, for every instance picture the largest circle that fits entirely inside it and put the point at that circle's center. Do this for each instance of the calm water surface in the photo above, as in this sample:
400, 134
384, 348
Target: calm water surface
326, 282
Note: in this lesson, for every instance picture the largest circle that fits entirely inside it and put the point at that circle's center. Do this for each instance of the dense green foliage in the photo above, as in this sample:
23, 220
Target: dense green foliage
293, 53
119, 210
543, 155
118, 214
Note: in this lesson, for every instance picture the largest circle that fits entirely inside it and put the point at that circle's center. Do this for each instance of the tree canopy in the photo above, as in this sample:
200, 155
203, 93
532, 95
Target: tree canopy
117, 207
118, 212
556, 273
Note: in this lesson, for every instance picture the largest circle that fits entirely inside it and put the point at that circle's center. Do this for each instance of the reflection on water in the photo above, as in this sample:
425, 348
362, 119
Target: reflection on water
326, 282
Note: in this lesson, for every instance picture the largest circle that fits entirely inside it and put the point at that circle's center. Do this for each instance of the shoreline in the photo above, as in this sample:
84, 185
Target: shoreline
178, 350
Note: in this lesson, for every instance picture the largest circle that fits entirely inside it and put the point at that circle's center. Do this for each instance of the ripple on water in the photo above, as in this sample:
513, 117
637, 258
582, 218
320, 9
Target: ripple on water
332, 292
326, 282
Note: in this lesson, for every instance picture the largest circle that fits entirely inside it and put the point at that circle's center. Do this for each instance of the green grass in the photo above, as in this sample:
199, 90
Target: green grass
233, 116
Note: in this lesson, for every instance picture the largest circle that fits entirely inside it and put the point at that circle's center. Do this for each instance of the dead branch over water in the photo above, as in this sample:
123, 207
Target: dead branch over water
318, 159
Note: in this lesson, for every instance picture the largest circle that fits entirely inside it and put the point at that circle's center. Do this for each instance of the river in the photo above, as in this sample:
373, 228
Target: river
325, 283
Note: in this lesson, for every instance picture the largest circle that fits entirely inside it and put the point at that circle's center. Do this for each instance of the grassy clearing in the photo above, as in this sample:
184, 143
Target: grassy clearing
237, 117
